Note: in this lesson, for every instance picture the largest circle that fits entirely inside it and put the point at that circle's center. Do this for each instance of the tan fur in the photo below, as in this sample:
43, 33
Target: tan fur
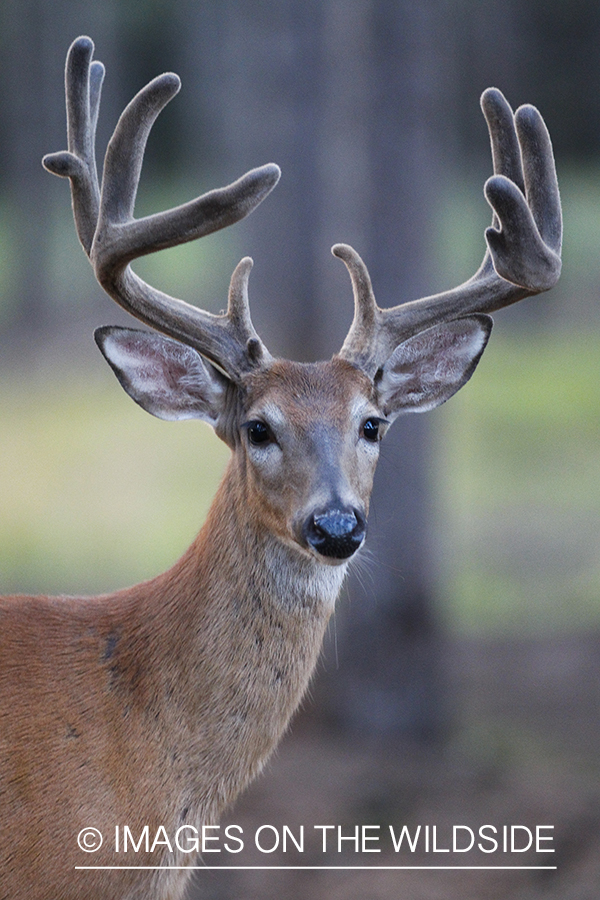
157, 704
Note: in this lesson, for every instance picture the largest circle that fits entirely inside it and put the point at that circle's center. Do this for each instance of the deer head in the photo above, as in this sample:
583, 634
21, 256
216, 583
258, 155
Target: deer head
305, 437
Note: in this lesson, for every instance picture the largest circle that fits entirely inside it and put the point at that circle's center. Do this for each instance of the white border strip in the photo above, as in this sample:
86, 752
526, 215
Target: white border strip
317, 868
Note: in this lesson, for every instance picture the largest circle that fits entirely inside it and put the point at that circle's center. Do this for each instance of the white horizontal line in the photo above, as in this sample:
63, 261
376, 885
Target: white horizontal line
314, 868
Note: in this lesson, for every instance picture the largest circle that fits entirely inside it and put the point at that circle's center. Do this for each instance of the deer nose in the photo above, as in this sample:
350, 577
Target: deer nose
335, 533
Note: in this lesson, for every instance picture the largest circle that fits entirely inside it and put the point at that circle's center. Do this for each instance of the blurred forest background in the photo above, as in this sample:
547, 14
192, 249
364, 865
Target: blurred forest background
469, 636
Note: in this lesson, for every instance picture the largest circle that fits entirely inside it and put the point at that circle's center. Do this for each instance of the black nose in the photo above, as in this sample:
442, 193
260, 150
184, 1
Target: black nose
336, 533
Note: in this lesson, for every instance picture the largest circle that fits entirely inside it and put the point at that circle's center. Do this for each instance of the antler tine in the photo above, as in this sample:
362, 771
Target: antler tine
83, 87
113, 238
523, 242
238, 312
359, 345
125, 151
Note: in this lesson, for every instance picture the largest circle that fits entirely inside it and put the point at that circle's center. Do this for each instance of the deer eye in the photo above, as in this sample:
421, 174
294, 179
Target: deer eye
370, 430
259, 433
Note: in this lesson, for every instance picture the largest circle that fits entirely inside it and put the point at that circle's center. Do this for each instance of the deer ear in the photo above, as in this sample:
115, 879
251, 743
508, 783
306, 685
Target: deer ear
165, 377
428, 368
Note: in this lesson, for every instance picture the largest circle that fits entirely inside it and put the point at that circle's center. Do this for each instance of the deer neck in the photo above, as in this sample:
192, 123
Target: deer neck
244, 614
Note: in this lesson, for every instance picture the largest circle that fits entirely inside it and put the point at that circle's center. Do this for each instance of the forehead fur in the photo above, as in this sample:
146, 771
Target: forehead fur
332, 384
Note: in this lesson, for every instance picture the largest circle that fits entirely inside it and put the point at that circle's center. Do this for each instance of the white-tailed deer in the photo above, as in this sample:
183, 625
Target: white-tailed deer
156, 705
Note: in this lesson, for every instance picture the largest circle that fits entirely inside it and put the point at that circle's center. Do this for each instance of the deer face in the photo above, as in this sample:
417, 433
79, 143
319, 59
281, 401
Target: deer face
305, 437
309, 438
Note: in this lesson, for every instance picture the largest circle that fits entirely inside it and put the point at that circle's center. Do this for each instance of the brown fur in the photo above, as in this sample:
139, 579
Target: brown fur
157, 704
